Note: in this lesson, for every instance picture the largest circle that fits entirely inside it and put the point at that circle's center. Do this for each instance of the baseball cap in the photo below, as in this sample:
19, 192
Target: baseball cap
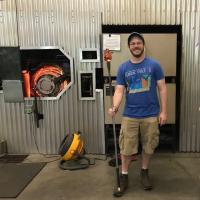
135, 34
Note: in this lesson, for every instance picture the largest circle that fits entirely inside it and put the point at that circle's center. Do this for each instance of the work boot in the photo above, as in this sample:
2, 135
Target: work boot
118, 192
145, 179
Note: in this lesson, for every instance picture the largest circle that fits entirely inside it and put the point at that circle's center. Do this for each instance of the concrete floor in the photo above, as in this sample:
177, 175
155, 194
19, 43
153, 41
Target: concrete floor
175, 177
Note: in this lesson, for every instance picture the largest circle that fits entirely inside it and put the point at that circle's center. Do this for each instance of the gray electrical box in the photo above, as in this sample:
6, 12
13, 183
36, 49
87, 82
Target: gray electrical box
12, 90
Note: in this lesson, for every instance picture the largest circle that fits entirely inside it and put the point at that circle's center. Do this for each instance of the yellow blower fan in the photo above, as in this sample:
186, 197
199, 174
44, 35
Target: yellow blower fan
72, 153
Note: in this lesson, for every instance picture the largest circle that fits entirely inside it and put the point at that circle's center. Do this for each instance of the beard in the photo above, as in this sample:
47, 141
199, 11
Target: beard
138, 54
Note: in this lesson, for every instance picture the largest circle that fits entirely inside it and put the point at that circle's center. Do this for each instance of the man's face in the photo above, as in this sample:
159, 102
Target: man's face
136, 47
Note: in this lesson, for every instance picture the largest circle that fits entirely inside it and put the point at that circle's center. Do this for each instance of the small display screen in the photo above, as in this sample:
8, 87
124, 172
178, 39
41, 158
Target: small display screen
89, 55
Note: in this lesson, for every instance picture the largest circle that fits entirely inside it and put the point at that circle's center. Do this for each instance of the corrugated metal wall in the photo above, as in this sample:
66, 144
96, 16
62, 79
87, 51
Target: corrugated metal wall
68, 24
190, 84
75, 24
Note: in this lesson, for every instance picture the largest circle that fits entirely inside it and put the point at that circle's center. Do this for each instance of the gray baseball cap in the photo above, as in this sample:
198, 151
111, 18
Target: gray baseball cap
135, 34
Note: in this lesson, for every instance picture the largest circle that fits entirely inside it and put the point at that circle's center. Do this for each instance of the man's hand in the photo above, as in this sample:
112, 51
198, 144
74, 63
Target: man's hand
162, 118
163, 100
112, 111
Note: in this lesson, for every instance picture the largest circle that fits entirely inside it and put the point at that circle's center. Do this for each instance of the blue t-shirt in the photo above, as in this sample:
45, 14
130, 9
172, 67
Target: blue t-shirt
140, 81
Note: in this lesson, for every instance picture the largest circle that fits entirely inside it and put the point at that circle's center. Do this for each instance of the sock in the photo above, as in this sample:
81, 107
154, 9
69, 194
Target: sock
144, 168
125, 173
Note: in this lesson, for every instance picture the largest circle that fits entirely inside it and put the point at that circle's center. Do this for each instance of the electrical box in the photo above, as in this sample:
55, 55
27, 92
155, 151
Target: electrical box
12, 90
86, 85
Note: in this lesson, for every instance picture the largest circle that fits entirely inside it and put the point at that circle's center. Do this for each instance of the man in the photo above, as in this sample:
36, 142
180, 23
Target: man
139, 77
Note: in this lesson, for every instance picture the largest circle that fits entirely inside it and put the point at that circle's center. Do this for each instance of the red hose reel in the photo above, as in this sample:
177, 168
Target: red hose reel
43, 82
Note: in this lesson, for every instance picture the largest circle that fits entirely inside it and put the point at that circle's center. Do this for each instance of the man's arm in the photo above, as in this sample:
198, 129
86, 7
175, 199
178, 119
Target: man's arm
117, 98
163, 101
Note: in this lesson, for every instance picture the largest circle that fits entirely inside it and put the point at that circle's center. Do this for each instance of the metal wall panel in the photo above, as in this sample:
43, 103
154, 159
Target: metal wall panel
75, 24
8, 25
190, 86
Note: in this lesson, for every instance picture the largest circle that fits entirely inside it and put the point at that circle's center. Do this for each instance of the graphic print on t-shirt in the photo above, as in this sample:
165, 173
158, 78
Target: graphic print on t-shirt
138, 80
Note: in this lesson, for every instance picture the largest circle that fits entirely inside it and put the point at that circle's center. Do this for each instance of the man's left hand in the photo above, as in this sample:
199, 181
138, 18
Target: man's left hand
162, 118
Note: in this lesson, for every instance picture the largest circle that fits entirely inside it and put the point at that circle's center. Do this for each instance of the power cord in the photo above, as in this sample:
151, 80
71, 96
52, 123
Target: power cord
92, 160
33, 132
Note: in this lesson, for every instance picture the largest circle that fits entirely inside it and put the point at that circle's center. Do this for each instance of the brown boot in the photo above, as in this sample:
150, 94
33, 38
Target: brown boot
118, 192
145, 179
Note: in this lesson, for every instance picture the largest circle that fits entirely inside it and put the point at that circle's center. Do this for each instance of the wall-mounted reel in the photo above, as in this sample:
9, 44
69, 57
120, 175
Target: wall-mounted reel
48, 80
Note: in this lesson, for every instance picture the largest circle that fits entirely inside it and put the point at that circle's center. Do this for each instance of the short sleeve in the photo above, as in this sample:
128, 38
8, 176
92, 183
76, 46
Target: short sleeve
121, 76
159, 73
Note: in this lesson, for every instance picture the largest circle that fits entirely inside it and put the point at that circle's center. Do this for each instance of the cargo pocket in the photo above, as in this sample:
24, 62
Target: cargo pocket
155, 140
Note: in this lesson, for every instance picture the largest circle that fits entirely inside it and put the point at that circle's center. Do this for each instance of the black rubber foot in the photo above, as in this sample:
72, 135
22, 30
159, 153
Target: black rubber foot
148, 188
118, 193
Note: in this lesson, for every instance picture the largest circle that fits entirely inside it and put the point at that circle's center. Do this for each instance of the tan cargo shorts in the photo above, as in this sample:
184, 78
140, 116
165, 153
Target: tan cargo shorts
132, 130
